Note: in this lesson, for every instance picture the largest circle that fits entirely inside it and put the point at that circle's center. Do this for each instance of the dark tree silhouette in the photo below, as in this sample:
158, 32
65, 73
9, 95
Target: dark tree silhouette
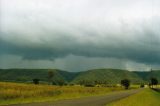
50, 76
142, 85
36, 81
87, 83
153, 82
125, 83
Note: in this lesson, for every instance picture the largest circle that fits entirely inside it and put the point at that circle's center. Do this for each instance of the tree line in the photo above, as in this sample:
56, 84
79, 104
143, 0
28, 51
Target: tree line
124, 82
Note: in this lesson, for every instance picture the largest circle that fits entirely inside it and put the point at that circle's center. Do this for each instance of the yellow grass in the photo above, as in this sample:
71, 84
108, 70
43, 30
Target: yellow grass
14, 93
147, 97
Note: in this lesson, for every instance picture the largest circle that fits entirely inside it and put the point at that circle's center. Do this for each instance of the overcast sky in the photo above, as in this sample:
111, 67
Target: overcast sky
77, 35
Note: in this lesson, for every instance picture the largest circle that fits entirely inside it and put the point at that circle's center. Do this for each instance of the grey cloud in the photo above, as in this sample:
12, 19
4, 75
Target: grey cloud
56, 29
143, 49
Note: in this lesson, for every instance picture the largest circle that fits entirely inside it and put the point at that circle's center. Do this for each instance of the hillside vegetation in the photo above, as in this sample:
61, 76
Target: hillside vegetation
147, 75
30, 74
108, 76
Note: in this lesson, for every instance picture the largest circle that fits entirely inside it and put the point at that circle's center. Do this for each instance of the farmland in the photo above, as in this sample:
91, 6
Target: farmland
16, 93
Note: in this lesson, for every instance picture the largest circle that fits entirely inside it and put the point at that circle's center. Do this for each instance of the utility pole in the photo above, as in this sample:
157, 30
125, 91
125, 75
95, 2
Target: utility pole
150, 78
151, 73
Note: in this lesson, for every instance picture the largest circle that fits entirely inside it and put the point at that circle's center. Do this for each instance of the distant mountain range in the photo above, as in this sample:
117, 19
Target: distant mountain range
110, 76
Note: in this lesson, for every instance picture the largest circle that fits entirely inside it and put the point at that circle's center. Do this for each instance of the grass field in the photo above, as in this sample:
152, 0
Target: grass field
15, 93
147, 97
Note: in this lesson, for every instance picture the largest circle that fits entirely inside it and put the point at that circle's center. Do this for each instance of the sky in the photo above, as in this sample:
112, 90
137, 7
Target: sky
77, 35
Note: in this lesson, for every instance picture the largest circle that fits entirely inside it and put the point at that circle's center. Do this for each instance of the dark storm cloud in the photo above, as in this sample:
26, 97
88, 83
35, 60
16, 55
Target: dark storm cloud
96, 29
28, 52
145, 49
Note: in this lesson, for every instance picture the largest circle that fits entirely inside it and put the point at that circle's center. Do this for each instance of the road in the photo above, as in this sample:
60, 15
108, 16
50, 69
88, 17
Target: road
87, 101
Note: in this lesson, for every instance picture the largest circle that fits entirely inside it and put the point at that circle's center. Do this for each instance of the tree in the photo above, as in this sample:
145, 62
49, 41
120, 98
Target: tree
142, 85
87, 83
125, 83
153, 82
50, 76
36, 81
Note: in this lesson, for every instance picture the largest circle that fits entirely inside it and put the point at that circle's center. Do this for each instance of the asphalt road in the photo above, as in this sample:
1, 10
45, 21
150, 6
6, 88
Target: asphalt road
87, 101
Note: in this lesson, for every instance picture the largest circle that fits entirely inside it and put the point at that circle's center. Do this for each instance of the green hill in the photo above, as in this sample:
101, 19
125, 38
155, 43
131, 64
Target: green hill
147, 75
112, 76
29, 74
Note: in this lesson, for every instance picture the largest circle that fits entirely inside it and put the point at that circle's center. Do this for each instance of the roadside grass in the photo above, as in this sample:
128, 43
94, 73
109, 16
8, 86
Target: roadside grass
147, 97
135, 86
16, 93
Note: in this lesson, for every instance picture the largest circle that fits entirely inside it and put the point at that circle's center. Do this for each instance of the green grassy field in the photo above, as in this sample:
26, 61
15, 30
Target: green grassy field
15, 93
147, 97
